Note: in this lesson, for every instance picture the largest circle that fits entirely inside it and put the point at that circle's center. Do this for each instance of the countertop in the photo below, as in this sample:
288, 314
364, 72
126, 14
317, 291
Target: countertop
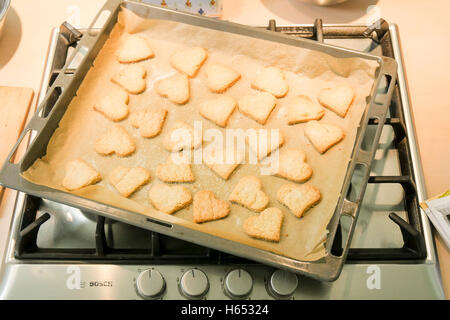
424, 36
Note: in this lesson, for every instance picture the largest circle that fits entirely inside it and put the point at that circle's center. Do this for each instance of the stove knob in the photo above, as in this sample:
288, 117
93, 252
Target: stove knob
282, 284
194, 284
150, 284
238, 283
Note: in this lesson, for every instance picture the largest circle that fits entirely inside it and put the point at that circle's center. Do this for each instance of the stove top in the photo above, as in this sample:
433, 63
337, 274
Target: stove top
56, 251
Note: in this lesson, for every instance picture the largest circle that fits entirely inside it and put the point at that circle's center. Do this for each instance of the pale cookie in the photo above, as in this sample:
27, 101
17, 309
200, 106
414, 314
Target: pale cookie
338, 99
248, 192
189, 61
266, 225
169, 199
222, 163
292, 165
175, 88
272, 80
134, 49
323, 136
149, 122
302, 109
257, 106
218, 109
131, 78
220, 77
263, 142
79, 174
128, 180
298, 198
181, 136
113, 105
172, 171
115, 140
208, 208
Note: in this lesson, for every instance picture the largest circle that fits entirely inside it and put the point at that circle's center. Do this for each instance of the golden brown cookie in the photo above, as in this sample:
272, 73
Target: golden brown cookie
298, 198
149, 121
128, 180
79, 174
189, 60
208, 208
169, 199
115, 140
323, 136
337, 99
272, 80
266, 225
248, 192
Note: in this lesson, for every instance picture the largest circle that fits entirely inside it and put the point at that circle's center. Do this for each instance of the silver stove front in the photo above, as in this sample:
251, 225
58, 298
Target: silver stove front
33, 279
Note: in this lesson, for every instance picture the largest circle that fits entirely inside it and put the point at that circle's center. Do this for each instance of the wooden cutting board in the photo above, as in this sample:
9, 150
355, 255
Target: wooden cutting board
15, 104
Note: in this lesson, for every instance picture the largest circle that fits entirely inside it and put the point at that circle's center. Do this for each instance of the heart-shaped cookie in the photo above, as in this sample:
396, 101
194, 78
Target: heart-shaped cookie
114, 105
181, 137
134, 48
218, 109
208, 208
292, 165
131, 78
189, 60
149, 121
302, 109
272, 80
220, 77
128, 180
337, 99
266, 225
263, 142
323, 136
79, 174
172, 171
257, 106
222, 163
175, 88
248, 192
298, 198
115, 140
169, 199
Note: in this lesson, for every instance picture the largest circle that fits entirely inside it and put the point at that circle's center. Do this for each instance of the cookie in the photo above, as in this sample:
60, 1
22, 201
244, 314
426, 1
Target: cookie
171, 171
272, 80
175, 88
114, 105
131, 78
189, 61
257, 106
128, 180
248, 192
323, 136
134, 49
218, 109
337, 99
149, 121
223, 164
79, 174
115, 140
220, 77
181, 136
266, 225
298, 198
302, 109
208, 208
169, 199
263, 142
292, 165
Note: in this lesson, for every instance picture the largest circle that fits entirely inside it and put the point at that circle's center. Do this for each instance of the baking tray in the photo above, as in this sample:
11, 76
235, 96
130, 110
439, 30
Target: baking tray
64, 88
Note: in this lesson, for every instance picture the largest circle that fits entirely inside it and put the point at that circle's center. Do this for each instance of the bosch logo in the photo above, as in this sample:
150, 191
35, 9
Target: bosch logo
105, 283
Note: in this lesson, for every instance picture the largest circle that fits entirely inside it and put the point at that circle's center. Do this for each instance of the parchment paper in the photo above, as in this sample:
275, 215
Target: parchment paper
307, 73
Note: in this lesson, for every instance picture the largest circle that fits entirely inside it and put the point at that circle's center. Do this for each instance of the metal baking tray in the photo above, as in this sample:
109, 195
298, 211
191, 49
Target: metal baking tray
64, 88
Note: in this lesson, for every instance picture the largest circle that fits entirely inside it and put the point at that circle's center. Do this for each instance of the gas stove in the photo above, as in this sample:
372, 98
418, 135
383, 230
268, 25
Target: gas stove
59, 252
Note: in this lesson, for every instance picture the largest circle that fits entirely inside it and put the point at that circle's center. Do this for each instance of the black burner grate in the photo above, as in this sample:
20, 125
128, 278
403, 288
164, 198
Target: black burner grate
166, 250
